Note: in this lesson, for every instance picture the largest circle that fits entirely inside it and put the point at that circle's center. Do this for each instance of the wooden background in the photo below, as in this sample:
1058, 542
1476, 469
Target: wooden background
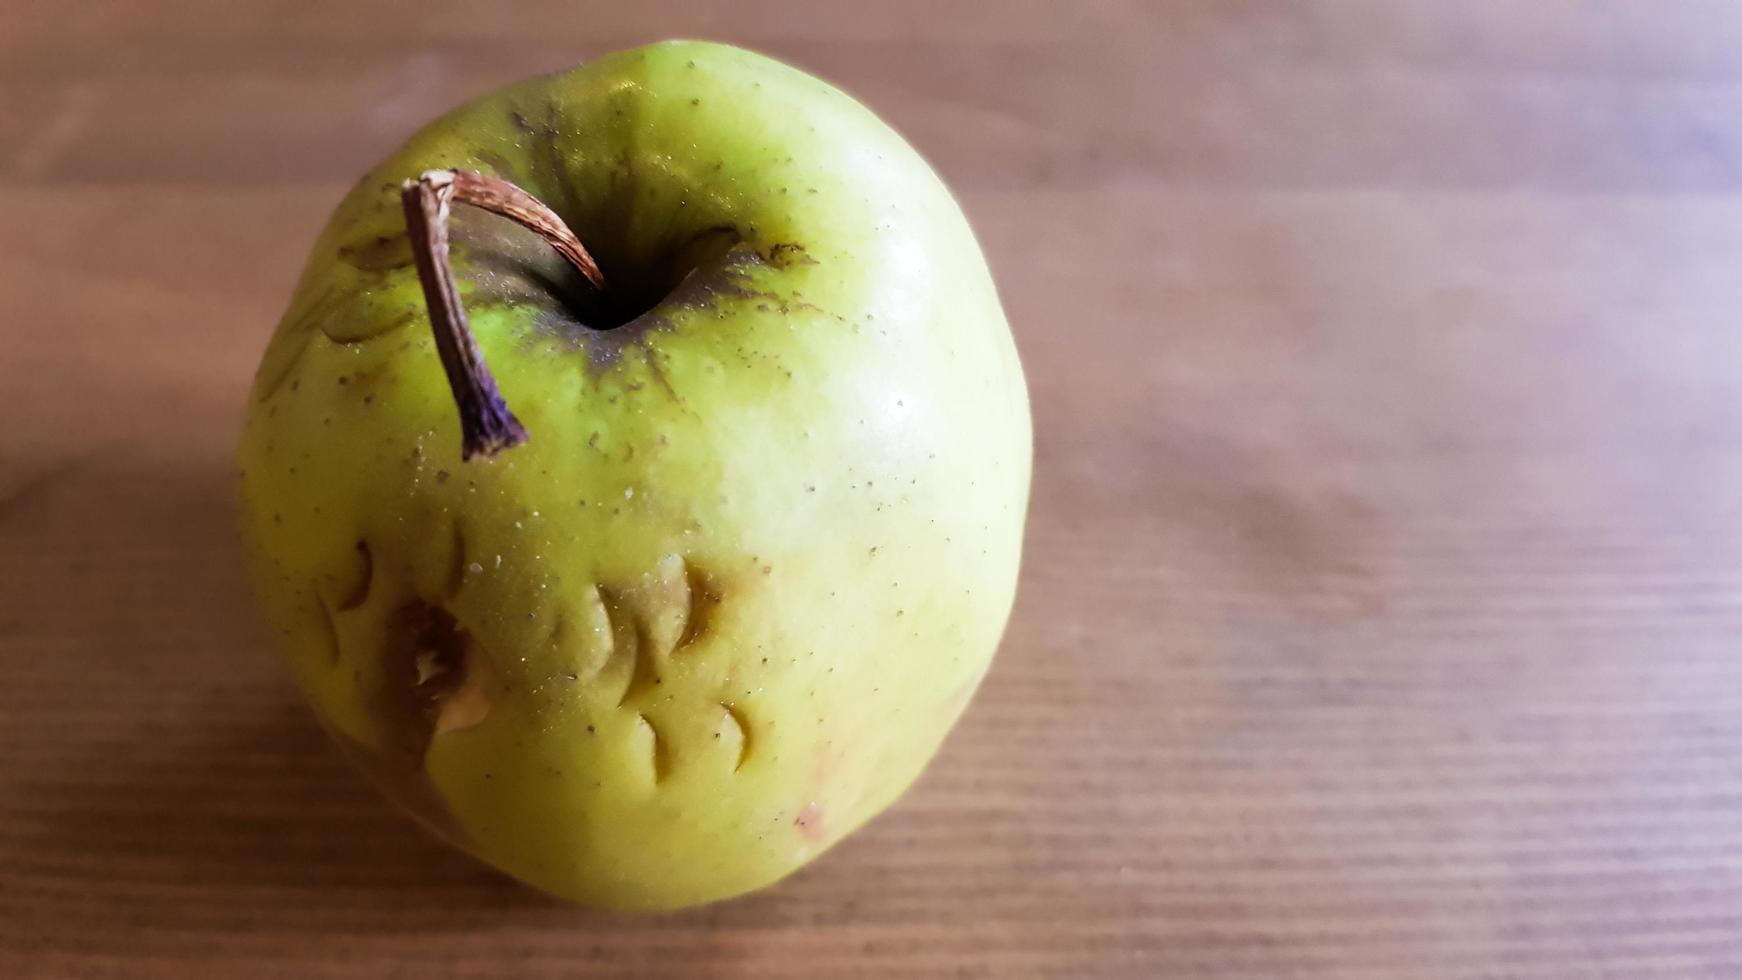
1384, 579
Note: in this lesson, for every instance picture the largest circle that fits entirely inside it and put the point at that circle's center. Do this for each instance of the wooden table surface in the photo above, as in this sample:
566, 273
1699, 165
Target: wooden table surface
1384, 573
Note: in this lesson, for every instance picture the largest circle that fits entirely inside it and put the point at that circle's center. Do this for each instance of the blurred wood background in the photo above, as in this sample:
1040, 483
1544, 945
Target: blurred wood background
1384, 581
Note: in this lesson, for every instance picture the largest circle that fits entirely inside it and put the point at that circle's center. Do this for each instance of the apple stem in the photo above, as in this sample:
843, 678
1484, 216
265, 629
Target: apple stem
486, 424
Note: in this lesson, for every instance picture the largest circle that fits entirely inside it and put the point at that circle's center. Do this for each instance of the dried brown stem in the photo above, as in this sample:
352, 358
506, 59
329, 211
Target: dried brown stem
486, 424
500, 197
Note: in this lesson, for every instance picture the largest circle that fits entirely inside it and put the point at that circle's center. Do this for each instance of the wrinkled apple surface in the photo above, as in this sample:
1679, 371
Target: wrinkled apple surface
758, 551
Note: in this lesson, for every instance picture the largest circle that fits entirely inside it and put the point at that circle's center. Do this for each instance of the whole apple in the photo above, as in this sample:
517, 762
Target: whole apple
759, 539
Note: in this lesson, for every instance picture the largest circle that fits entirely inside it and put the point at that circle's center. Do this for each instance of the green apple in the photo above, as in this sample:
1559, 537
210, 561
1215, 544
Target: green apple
759, 543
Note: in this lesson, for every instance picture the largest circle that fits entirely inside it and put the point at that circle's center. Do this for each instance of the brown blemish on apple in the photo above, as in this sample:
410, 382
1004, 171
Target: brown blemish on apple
433, 677
785, 255
371, 376
673, 602
463, 704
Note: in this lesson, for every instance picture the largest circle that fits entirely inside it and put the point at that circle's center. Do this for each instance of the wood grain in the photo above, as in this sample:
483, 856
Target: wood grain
1384, 582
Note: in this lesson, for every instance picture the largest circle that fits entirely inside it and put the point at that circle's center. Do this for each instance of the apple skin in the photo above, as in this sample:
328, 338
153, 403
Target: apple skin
726, 602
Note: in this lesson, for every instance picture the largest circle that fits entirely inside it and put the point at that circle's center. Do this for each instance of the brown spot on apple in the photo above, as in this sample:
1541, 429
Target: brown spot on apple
433, 679
788, 254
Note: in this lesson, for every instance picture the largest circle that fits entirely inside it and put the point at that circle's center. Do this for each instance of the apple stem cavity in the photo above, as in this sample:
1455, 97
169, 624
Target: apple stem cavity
487, 426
